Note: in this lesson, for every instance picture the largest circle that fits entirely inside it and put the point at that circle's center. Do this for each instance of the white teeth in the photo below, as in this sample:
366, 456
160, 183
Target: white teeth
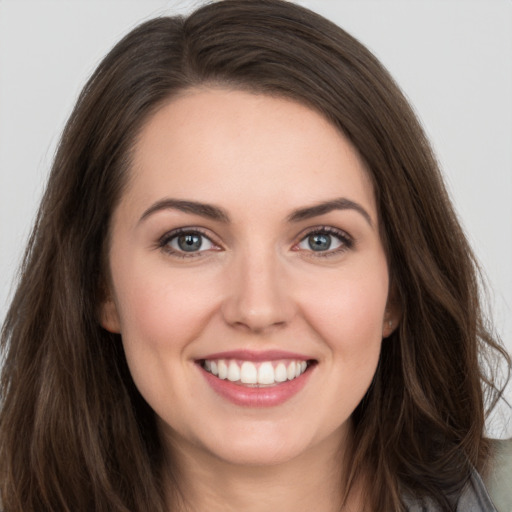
291, 370
223, 369
280, 374
264, 373
248, 373
233, 372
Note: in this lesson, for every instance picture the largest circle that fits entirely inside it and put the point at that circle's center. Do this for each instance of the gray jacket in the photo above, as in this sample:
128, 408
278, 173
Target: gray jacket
492, 495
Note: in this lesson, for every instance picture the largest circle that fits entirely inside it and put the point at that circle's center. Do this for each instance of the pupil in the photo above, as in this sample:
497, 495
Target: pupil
190, 243
319, 242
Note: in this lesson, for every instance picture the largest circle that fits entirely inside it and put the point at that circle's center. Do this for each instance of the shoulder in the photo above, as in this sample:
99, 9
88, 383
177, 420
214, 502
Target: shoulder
499, 477
492, 493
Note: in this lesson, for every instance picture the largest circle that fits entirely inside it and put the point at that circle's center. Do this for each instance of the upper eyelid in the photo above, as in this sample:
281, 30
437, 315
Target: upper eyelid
331, 230
163, 243
347, 241
186, 230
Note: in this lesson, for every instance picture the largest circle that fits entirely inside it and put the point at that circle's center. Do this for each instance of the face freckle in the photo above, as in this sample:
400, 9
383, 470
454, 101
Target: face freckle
246, 248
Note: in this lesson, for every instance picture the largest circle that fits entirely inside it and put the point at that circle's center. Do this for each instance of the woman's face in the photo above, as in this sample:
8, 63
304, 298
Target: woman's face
249, 282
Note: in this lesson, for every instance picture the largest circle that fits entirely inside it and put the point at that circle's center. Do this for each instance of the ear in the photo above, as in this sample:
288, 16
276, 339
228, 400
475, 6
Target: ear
392, 314
108, 315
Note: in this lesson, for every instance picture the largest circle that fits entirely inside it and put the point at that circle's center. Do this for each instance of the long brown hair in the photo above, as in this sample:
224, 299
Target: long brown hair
75, 434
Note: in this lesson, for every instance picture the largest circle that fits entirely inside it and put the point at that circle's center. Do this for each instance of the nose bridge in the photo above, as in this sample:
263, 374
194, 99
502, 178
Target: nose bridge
257, 297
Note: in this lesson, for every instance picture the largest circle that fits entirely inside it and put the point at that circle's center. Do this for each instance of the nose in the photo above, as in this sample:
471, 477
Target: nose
258, 298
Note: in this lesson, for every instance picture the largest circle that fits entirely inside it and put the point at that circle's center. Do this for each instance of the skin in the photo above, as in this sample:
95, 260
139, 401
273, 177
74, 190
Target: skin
257, 285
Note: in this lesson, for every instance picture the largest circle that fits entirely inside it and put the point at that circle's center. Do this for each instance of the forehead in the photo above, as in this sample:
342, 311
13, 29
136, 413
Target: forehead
233, 146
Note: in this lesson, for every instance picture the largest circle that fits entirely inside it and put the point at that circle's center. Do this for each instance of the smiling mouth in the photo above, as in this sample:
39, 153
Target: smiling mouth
256, 374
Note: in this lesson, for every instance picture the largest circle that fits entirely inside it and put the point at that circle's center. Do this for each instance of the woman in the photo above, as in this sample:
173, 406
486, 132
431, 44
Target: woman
246, 288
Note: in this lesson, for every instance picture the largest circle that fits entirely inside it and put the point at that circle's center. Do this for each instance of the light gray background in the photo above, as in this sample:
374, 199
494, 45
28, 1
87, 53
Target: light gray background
452, 58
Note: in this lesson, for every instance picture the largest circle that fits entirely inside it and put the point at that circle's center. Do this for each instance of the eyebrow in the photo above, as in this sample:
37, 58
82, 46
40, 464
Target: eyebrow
204, 210
316, 210
219, 214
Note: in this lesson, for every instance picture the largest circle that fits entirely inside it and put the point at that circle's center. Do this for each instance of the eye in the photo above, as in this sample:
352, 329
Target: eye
186, 242
326, 240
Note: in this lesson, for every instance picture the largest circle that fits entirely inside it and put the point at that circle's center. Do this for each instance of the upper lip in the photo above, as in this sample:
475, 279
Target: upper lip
256, 356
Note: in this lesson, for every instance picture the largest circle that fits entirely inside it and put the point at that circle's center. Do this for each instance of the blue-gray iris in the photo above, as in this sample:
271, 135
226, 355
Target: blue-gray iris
190, 242
319, 242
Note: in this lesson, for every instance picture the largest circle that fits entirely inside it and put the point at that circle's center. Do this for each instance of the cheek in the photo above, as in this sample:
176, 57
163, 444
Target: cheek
345, 314
161, 310
347, 310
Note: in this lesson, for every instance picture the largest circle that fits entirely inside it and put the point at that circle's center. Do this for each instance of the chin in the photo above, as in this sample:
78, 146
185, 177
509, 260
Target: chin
266, 443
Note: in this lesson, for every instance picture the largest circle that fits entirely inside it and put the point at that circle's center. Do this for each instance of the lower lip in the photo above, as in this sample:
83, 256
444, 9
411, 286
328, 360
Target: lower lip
269, 396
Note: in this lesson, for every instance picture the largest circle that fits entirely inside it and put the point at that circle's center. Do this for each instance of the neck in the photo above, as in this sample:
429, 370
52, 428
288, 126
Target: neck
311, 481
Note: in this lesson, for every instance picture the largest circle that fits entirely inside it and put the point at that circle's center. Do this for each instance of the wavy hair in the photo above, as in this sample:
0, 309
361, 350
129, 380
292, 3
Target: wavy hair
75, 434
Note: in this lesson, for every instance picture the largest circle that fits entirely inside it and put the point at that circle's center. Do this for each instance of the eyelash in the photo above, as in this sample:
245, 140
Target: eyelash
347, 242
164, 241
